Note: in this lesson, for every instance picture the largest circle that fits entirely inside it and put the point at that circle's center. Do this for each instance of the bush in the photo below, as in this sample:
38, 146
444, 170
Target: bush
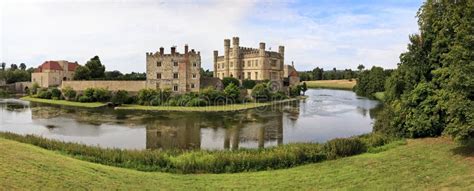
232, 93
213, 96
44, 94
89, 92
248, 84
120, 97
295, 90
145, 96
69, 93
84, 98
279, 96
196, 102
230, 80
261, 93
343, 147
101, 95
55, 93
34, 88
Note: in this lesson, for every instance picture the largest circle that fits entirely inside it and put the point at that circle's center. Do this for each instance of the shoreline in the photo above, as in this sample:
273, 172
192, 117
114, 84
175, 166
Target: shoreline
64, 102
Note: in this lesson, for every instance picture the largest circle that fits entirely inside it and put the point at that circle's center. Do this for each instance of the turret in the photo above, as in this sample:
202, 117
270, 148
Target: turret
162, 51
215, 62
173, 50
186, 49
281, 50
261, 50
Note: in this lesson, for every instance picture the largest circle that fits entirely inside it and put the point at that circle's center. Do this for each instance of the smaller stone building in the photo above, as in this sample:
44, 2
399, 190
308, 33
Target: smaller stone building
291, 75
52, 73
179, 72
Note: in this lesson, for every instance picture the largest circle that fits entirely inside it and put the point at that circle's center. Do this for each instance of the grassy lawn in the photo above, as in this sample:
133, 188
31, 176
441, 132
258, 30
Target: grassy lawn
421, 164
219, 108
63, 102
332, 84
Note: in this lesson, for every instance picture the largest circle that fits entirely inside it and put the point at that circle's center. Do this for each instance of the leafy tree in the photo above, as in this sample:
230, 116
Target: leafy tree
120, 97
23, 66
3, 65
82, 73
230, 80
304, 88
360, 67
13, 67
69, 93
206, 73
261, 92
232, 92
248, 84
97, 70
113, 75
318, 73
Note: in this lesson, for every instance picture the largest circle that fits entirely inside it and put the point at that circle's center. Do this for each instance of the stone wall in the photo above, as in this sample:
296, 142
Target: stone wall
130, 86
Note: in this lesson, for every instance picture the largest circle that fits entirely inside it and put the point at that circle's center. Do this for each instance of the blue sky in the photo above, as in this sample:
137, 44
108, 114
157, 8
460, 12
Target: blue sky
321, 33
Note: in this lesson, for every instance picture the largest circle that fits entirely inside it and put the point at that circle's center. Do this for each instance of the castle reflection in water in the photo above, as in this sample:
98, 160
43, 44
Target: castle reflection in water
247, 129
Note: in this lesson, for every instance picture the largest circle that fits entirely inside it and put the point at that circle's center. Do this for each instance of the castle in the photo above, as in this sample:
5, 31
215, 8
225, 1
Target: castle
250, 63
175, 71
52, 73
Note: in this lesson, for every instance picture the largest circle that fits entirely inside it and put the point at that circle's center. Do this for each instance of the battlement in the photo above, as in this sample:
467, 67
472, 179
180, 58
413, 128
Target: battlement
173, 52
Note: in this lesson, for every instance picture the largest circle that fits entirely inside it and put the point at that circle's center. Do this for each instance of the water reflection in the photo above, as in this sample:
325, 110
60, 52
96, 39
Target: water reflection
326, 114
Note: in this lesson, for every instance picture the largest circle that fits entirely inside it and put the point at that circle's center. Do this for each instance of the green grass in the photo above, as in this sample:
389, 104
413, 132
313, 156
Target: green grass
380, 95
420, 165
332, 84
219, 108
63, 102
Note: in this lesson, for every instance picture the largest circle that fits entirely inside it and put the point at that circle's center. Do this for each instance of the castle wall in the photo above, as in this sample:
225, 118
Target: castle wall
130, 86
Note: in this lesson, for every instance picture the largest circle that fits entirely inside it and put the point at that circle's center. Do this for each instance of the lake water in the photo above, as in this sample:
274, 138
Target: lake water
324, 115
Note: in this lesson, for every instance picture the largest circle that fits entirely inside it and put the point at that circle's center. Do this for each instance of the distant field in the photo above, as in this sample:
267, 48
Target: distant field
422, 164
332, 84
63, 102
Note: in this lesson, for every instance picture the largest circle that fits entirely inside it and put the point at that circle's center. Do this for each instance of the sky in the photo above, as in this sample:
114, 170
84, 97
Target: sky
315, 33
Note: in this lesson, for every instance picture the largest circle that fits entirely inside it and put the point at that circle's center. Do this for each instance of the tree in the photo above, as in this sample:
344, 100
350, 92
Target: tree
318, 73
370, 82
360, 67
82, 73
113, 75
97, 70
23, 66
304, 88
3, 65
261, 92
13, 67
206, 73
232, 92
230, 80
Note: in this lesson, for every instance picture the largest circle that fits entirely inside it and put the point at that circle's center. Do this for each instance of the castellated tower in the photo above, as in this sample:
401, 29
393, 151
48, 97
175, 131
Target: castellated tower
249, 63
179, 72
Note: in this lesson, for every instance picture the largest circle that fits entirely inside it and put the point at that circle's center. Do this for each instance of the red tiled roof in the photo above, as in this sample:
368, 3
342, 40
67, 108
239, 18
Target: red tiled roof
54, 65
294, 73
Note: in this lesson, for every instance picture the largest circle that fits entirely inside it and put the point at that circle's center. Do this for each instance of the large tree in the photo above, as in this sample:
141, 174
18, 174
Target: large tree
97, 70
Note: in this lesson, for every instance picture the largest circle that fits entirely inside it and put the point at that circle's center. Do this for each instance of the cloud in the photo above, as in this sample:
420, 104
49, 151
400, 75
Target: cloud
315, 33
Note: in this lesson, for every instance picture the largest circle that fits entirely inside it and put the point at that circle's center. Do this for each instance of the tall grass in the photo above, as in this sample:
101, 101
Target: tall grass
199, 161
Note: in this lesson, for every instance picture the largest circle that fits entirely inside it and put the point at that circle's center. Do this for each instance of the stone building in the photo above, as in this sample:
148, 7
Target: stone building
249, 63
176, 71
52, 73
291, 75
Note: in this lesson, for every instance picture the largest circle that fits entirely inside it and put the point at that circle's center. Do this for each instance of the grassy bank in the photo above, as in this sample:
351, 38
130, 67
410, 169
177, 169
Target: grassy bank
202, 161
332, 84
421, 164
63, 102
219, 108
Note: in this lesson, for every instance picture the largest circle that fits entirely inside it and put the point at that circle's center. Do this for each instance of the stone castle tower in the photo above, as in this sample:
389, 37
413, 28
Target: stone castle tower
175, 71
249, 63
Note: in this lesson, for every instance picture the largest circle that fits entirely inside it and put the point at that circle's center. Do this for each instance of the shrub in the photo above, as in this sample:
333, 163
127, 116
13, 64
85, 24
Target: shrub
145, 96
342, 147
295, 90
55, 93
261, 93
120, 97
248, 84
69, 93
131, 100
34, 88
232, 92
102, 95
212, 95
196, 102
89, 92
84, 98
44, 94
230, 80
279, 96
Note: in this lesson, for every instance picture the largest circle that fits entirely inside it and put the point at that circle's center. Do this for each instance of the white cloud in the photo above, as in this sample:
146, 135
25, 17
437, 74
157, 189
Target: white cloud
120, 32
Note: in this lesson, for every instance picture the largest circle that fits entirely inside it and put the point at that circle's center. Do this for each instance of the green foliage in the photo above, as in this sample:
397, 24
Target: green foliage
432, 91
261, 92
97, 70
82, 73
44, 94
14, 75
295, 91
55, 93
319, 74
206, 73
84, 99
120, 97
69, 93
34, 88
304, 88
102, 95
343, 147
248, 84
230, 80
232, 92
4, 94
278, 96
370, 82
203, 161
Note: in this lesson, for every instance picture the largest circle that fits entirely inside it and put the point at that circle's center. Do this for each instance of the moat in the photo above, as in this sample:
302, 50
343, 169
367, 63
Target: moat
324, 115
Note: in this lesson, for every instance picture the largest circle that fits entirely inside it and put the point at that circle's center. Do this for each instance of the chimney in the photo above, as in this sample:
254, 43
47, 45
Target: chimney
186, 49
173, 50
162, 50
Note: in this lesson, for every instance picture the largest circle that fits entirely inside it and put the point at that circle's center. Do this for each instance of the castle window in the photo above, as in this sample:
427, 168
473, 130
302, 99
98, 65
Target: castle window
175, 75
194, 76
231, 75
231, 64
175, 88
248, 64
194, 64
158, 76
192, 85
256, 75
273, 62
158, 64
175, 63
248, 75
